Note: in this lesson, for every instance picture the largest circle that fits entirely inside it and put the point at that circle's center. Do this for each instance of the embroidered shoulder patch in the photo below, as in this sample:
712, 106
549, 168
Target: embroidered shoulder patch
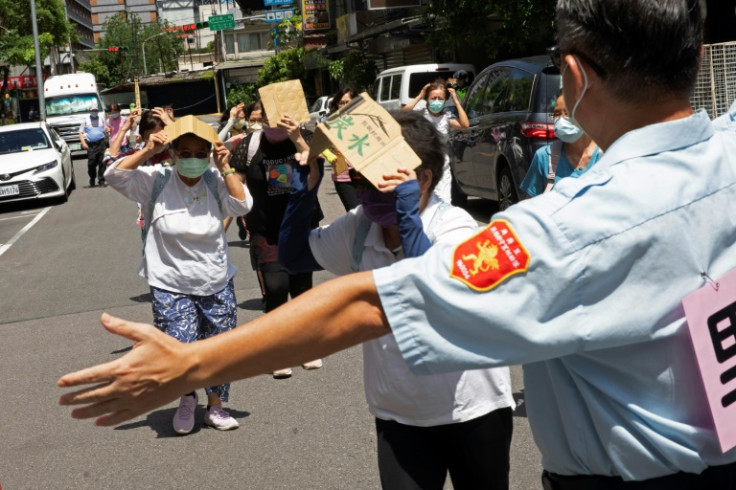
489, 257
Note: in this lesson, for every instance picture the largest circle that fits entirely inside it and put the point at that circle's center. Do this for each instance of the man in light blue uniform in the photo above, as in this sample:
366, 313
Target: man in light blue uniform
92, 137
583, 285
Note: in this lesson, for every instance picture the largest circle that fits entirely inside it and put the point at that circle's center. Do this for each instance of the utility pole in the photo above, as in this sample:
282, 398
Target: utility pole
39, 72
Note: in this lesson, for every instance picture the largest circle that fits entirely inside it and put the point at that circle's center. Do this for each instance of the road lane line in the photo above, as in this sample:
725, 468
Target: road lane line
17, 236
15, 217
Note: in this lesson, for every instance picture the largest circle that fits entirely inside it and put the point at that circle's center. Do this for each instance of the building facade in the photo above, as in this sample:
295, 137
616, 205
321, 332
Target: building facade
104, 9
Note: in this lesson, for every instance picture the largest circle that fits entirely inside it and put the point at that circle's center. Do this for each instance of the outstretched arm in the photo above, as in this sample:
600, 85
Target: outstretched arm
331, 317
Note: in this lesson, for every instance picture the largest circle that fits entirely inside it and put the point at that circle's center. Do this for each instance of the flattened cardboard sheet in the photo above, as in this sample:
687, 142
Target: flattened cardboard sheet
190, 124
367, 137
284, 98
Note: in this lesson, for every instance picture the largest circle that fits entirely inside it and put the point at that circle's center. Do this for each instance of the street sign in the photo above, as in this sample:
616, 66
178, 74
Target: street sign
269, 3
221, 22
278, 15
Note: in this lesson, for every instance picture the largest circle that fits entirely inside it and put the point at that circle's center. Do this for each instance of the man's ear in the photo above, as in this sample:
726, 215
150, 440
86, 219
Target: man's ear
577, 75
425, 180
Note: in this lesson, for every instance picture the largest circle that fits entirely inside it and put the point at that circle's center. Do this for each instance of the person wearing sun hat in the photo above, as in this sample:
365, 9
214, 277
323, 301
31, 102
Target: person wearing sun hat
186, 258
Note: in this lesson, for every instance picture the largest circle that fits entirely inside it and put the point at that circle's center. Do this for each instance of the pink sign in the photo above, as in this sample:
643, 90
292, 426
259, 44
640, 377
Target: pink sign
711, 318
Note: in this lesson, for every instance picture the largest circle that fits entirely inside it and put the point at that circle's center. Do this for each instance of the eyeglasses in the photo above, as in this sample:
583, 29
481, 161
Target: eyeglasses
189, 154
255, 121
359, 181
556, 56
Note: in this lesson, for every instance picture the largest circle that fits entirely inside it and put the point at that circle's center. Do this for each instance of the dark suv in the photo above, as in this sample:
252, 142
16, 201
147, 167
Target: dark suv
509, 105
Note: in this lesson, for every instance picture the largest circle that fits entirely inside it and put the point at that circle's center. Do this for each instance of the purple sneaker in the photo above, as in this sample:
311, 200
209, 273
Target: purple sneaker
184, 416
218, 418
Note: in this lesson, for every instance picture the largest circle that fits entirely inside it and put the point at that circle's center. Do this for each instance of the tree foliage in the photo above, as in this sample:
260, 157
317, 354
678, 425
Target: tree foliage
162, 48
246, 93
354, 70
490, 28
16, 33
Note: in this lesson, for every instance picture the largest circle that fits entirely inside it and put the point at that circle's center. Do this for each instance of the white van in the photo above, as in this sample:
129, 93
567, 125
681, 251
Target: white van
396, 87
68, 99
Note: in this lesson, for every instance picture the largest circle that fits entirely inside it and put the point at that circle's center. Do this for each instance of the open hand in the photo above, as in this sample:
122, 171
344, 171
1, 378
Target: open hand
149, 376
390, 181
289, 124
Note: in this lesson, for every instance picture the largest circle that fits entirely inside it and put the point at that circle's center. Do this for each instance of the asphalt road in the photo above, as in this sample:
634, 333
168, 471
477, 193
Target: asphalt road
61, 267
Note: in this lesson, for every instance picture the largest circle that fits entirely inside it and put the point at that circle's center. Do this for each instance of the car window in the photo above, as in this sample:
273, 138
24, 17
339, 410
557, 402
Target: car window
494, 99
385, 88
377, 89
396, 86
519, 91
474, 97
317, 106
549, 87
23, 140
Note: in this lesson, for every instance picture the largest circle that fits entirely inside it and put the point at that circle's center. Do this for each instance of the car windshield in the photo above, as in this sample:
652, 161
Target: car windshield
23, 140
548, 90
317, 106
70, 104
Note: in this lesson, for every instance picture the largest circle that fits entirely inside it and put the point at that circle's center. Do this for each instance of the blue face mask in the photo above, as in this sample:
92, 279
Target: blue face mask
566, 131
435, 106
192, 167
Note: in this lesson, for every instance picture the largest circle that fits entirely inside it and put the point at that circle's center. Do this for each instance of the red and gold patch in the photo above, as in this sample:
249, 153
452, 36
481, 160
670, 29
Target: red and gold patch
488, 258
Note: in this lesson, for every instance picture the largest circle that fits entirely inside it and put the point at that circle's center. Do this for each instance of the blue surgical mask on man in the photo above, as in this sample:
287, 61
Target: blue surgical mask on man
566, 131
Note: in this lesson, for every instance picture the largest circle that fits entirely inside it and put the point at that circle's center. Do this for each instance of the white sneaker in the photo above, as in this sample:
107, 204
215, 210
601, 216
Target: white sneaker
282, 373
218, 418
184, 416
316, 364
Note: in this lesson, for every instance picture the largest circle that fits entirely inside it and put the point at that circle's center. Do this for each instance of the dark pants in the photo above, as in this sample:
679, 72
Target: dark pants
278, 284
714, 477
348, 195
476, 453
95, 167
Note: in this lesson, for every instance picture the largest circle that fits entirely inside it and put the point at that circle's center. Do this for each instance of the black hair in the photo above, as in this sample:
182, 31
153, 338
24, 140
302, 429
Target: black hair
175, 143
642, 49
255, 106
424, 139
149, 122
114, 107
339, 95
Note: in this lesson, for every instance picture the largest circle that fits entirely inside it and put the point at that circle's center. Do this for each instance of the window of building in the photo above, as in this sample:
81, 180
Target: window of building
229, 44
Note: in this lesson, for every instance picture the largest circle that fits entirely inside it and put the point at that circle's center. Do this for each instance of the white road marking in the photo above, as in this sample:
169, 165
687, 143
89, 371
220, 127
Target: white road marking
4, 248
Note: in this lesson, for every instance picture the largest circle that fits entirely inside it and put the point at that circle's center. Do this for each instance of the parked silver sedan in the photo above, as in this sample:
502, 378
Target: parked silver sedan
35, 163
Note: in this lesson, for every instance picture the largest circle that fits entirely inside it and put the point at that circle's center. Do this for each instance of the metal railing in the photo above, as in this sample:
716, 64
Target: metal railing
715, 88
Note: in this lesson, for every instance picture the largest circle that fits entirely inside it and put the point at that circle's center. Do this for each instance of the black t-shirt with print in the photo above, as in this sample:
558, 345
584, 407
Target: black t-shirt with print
268, 177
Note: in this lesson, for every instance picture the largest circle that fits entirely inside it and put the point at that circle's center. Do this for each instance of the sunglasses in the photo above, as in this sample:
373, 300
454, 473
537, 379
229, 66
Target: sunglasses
358, 181
189, 154
555, 55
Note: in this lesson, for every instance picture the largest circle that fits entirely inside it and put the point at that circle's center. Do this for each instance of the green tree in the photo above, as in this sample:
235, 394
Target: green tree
354, 70
285, 65
98, 69
246, 93
162, 48
16, 38
489, 28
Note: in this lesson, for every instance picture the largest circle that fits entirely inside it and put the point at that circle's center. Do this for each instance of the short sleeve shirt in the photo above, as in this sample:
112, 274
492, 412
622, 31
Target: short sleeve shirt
611, 383
535, 180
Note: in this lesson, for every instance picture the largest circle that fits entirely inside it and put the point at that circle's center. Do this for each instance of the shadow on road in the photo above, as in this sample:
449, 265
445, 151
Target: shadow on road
520, 410
253, 304
160, 421
142, 298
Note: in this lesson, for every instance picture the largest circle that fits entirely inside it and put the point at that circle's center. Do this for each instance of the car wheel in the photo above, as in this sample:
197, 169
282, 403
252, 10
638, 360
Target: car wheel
458, 197
506, 191
73, 183
65, 197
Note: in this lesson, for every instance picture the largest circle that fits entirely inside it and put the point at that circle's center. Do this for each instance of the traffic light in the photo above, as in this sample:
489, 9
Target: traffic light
117, 49
195, 25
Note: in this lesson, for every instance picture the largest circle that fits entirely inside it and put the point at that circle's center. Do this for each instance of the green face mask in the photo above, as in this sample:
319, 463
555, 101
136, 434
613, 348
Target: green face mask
192, 167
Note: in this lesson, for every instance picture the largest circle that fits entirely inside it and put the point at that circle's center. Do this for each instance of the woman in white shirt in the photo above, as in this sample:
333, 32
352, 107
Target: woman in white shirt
186, 258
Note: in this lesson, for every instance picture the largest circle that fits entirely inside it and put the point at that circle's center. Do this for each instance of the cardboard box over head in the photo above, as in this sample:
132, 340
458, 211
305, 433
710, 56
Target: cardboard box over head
284, 98
190, 124
367, 136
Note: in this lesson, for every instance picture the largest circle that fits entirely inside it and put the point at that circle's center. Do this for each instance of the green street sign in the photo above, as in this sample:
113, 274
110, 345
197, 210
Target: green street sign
221, 22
